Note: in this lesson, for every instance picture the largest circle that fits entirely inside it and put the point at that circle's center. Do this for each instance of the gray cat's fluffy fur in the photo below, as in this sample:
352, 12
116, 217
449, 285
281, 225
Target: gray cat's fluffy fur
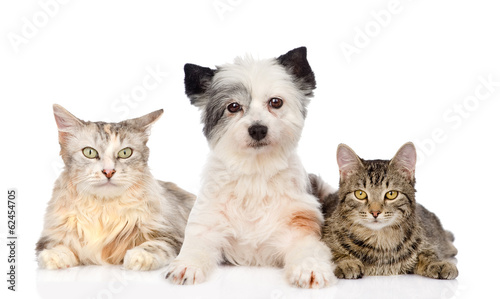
109, 209
378, 235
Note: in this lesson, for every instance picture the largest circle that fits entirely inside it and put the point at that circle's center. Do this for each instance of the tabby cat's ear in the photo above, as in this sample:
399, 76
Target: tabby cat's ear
146, 121
404, 161
348, 161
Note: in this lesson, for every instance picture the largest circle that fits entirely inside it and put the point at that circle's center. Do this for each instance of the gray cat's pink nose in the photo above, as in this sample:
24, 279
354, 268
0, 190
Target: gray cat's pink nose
375, 213
108, 172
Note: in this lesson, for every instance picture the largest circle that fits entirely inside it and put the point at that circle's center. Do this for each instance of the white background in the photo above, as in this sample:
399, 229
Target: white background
416, 66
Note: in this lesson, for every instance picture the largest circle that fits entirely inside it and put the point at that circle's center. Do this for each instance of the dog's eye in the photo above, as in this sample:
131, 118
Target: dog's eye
234, 107
276, 103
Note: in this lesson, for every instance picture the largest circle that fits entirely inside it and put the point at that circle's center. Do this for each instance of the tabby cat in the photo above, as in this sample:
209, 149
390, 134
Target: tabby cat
106, 207
373, 224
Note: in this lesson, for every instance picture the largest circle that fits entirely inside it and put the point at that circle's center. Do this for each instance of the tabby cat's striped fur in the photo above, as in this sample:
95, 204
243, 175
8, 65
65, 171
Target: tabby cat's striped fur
376, 235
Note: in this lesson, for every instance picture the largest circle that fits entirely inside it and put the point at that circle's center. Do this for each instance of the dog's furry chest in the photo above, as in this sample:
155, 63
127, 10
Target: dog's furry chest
252, 236
256, 227
255, 214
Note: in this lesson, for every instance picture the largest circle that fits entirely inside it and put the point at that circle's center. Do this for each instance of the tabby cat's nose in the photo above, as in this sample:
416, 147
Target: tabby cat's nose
108, 172
375, 213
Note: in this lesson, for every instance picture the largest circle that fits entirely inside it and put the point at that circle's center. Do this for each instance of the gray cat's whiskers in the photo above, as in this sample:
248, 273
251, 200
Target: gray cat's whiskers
106, 206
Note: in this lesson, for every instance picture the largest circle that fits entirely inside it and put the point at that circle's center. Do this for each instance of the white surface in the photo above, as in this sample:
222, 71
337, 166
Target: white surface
406, 83
229, 282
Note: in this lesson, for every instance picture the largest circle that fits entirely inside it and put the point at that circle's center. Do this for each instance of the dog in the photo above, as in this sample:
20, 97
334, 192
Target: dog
255, 205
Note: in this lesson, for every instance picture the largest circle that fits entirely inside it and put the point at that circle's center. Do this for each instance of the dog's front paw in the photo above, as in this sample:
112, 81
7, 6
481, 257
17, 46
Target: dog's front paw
310, 274
59, 257
441, 270
181, 273
349, 269
139, 259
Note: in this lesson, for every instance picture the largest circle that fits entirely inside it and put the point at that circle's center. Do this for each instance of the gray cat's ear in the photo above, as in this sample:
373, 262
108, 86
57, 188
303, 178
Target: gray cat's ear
66, 122
404, 161
197, 79
348, 161
295, 62
146, 121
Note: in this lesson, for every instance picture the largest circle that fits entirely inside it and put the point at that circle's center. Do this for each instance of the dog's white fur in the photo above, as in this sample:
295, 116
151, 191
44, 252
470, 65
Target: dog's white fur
255, 206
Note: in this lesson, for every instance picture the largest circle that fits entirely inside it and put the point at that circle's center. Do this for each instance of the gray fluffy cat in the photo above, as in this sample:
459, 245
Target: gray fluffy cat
373, 224
106, 206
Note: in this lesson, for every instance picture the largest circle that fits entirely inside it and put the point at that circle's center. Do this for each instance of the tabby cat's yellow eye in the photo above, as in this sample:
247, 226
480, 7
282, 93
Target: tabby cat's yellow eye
360, 194
391, 194
125, 153
90, 153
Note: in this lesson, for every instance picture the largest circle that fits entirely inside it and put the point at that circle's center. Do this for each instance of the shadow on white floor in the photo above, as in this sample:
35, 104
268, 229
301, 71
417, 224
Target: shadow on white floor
102, 282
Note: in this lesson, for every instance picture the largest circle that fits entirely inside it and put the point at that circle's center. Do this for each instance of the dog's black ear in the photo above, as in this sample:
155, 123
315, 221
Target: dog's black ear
197, 79
295, 61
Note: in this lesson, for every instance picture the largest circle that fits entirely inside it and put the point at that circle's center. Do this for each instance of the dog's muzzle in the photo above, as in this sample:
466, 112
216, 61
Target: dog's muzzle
257, 132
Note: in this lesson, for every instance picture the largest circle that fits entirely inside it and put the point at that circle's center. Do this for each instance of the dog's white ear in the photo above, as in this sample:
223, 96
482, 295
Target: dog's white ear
295, 61
197, 79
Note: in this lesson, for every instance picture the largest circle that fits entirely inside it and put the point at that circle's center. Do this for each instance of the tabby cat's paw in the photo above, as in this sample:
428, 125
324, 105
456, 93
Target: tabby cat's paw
441, 270
310, 274
349, 269
59, 257
139, 259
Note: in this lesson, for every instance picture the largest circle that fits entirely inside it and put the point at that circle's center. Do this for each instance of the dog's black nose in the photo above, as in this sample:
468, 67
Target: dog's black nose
257, 132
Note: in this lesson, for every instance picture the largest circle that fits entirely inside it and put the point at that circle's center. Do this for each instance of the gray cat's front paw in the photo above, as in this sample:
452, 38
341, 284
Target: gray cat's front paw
441, 270
141, 260
349, 269
59, 257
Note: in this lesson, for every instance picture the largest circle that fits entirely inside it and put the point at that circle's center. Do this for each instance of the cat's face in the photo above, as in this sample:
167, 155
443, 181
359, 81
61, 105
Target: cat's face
377, 193
104, 159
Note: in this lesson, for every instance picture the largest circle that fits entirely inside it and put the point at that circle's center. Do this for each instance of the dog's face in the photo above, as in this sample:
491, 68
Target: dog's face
253, 106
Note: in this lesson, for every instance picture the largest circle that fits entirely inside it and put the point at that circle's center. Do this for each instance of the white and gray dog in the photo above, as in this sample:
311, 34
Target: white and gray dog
255, 205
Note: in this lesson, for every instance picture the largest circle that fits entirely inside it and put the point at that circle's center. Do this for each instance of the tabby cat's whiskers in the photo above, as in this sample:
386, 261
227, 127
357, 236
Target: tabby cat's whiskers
377, 228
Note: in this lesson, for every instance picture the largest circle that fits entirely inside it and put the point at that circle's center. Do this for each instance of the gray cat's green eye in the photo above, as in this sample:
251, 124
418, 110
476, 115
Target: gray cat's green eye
125, 153
90, 153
